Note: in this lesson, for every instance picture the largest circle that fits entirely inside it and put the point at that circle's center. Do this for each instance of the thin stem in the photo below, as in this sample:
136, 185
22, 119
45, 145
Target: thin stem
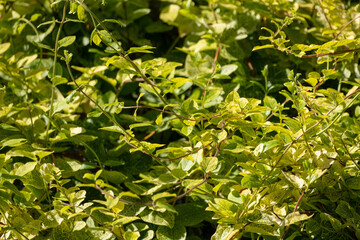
213, 65
175, 114
54, 68
352, 159
277, 162
279, 30
296, 206
288, 147
121, 52
339, 114
94, 218
328, 54
191, 189
212, 74
168, 159
121, 200
347, 24
113, 120
350, 94
326, 17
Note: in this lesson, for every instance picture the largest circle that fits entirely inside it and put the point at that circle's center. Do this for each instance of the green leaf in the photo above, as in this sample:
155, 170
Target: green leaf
250, 181
353, 183
166, 233
158, 27
115, 177
142, 49
124, 220
131, 235
296, 217
263, 47
57, 80
228, 69
346, 211
191, 214
4, 47
149, 88
138, 13
209, 164
162, 195
113, 129
73, 7
158, 218
95, 38
12, 142
259, 149
170, 13
225, 232
159, 119
78, 225
26, 168
66, 41
270, 102
294, 179
81, 13
58, 70
335, 223
51, 219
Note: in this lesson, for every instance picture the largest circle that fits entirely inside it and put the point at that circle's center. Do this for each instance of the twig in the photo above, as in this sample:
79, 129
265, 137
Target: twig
328, 54
296, 206
277, 162
191, 189
239, 231
214, 61
288, 147
121, 200
113, 120
352, 159
121, 51
327, 19
94, 218
272, 113
54, 68
278, 31
347, 24
172, 113
350, 94
168, 159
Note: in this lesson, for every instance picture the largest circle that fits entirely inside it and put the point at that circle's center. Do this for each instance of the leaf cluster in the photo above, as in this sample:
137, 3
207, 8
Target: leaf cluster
215, 119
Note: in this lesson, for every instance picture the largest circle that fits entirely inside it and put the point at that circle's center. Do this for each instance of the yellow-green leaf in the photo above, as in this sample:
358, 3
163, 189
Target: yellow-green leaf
4, 47
66, 41
81, 12
159, 119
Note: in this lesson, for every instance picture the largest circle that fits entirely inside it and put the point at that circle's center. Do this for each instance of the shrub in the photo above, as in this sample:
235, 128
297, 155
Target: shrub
215, 119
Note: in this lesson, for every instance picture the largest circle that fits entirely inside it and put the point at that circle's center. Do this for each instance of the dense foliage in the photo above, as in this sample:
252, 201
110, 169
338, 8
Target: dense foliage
172, 119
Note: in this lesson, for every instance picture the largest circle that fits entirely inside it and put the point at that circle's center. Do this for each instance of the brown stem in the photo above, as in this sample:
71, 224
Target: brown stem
347, 24
352, 159
215, 60
296, 206
191, 189
298, 202
328, 54
350, 94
